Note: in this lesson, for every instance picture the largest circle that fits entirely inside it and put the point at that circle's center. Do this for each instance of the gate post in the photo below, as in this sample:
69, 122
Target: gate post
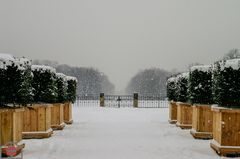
102, 99
135, 100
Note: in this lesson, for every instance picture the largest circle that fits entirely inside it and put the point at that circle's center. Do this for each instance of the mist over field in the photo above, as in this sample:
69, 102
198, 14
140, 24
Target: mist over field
121, 38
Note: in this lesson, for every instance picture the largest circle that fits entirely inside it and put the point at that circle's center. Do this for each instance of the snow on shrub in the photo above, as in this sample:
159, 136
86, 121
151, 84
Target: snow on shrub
182, 87
200, 85
15, 80
171, 89
44, 84
226, 83
62, 86
71, 91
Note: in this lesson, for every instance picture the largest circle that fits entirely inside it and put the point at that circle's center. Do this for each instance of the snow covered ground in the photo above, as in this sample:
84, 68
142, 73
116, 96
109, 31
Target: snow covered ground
119, 133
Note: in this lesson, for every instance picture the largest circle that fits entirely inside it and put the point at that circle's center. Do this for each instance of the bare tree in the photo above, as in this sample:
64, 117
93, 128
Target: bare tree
232, 54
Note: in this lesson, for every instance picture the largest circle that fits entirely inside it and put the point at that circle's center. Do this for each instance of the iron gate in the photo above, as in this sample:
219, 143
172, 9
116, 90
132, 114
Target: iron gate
144, 101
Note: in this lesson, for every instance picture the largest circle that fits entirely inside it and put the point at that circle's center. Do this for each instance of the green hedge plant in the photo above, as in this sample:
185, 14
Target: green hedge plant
226, 83
44, 84
62, 86
200, 85
172, 89
182, 87
15, 81
71, 91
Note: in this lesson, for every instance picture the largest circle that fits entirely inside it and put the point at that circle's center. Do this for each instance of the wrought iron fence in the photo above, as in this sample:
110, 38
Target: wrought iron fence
144, 101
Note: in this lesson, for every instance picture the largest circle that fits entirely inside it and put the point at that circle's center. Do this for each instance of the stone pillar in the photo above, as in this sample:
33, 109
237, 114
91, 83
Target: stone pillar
102, 100
135, 100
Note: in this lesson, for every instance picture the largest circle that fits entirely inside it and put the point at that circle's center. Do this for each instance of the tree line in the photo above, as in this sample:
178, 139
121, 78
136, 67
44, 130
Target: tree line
90, 80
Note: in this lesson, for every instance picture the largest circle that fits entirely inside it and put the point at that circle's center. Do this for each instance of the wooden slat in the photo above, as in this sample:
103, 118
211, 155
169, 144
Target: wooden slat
184, 115
172, 111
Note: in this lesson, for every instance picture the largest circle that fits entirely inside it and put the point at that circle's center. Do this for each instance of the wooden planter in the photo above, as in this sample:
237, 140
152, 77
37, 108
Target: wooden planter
57, 116
37, 122
226, 131
184, 115
11, 128
202, 118
68, 113
172, 112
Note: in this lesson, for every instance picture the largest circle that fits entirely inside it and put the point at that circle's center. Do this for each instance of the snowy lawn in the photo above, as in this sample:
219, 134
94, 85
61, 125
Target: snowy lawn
119, 133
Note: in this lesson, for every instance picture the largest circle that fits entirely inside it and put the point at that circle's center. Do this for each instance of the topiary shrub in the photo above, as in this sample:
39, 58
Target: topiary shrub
226, 83
71, 91
25, 93
62, 86
200, 85
171, 89
182, 87
44, 84
15, 80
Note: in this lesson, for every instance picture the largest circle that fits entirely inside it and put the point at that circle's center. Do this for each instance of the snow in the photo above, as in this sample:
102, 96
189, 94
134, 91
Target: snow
6, 57
119, 133
5, 60
172, 79
43, 68
69, 78
204, 68
61, 75
182, 75
233, 63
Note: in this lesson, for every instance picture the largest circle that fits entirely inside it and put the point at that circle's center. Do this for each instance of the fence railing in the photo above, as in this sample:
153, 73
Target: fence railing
140, 101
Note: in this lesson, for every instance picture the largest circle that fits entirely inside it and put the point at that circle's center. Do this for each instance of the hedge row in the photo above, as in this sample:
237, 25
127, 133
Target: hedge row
22, 83
212, 84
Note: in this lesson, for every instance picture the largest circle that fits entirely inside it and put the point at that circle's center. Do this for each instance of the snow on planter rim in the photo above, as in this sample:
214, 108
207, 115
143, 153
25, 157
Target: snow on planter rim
69, 78
203, 68
43, 68
233, 63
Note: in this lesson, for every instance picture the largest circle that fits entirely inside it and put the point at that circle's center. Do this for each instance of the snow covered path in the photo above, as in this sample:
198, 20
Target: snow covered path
125, 133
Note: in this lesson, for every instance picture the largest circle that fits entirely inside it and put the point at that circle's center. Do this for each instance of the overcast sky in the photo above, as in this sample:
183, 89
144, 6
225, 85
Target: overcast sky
120, 37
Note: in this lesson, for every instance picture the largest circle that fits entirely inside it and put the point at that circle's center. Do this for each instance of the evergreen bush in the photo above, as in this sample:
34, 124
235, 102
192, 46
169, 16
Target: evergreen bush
62, 86
226, 83
200, 85
171, 89
182, 87
71, 91
44, 84
15, 78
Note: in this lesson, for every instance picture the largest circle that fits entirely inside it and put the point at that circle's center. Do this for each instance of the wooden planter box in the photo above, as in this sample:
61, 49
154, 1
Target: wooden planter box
184, 115
57, 116
11, 127
37, 121
226, 131
202, 119
68, 113
172, 112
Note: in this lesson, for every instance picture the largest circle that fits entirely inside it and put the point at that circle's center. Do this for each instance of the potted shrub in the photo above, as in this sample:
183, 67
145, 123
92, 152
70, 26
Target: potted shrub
15, 93
71, 98
57, 111
37, 117
172, 98
226, 114
184, 109
200, 95
62, 86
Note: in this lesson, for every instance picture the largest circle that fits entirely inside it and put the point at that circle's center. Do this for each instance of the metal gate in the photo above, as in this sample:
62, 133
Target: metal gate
117, 101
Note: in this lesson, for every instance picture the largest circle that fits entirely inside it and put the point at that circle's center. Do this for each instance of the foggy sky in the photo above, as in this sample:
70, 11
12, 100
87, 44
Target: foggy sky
120, 37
